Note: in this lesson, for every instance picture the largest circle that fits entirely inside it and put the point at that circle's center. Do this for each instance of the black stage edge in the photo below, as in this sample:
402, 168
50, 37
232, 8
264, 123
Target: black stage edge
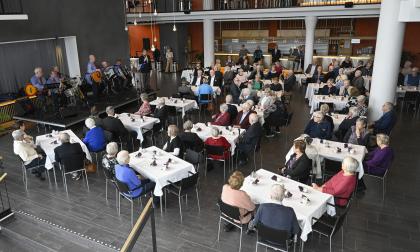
123, 98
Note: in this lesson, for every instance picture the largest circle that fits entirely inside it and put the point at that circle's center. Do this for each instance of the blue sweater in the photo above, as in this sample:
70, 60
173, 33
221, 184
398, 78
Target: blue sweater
385, 124
126, 175
318, 130
277, 217
95, 139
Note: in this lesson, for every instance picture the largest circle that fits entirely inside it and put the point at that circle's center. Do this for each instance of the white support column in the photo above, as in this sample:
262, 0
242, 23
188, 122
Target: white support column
387, 58
208, 31
208, 4
310, 25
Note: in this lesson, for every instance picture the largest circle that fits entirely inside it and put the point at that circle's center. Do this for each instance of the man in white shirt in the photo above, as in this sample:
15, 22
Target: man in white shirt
27, 152
197, 80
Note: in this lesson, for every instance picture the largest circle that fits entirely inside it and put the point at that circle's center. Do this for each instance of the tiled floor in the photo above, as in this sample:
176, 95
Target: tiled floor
373, 225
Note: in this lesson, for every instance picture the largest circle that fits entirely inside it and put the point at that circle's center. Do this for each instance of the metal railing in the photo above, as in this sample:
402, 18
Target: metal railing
147, 212
165, 6
8, 7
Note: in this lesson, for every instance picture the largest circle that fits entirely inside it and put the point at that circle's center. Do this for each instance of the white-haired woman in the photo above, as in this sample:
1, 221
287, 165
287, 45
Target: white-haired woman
217, 140
109, 160
222, 118
145, 108
174, 144
380, 159
343, 183
95, 137
125, 174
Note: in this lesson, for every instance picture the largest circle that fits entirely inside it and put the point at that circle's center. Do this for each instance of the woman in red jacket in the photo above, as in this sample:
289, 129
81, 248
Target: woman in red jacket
223, 118
343, 183
217, 140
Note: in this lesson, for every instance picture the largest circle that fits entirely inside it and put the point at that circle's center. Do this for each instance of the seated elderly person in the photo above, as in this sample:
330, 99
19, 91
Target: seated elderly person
339, 84
185, 91
344, 89
246, 94
272, 73
145, 108
109, 160
328, 89
160, 112
222, 118
386, 123
95, 137
22, 127
276, 85
358, 134
232, 108
27, 153
71, 155
413, 78
174, 144
341, 185
275, 215
358, 82
242, 119
325, 109
362, 107
379, 160
299, 166
249, 139
352, 99
318, 127
347, 123
240, 79
125, 174
275, 115
190, 140
217, 140
234, 196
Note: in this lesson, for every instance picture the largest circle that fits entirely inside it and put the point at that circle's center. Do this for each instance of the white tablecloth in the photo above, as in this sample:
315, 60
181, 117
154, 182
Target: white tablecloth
312, 89
47, 145
216, 90
317, 206
231, 136
401, 90
187, 74
337, 119
338, 101
138, 125
177, 170
328, 150
183, 104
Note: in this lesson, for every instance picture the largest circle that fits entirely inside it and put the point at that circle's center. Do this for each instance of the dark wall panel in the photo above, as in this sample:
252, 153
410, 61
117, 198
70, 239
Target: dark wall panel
97, 24
176, 40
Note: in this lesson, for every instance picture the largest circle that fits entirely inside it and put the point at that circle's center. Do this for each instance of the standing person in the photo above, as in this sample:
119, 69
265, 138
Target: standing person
92, 67
258, 54
145, 68
275, 54
156, 56
243, 52
169, 60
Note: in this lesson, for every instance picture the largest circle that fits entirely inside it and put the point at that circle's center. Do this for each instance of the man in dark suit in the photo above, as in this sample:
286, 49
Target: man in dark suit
145, 68
346, 124
242, 118
386, 123
232, 110
275, 215
290, 81
250, 139
71, 155
114, 125
198, 80
235, 91
161, 112
275, 54
215, 81
359, 82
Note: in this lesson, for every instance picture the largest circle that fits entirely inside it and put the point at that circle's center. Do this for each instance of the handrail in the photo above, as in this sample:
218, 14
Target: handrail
131, 240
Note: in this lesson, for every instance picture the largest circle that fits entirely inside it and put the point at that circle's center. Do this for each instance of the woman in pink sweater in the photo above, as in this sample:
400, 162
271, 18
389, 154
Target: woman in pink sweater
232, 195
145, 108
342, 184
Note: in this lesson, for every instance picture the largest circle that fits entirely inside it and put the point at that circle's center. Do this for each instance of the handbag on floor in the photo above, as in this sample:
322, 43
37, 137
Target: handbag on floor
90, 167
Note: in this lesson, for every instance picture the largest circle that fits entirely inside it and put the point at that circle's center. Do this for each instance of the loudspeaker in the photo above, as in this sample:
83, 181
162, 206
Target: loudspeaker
24, 107
146, 43
348, 5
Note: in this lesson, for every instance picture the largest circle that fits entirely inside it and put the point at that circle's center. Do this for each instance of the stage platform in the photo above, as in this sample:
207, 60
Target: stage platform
51, 119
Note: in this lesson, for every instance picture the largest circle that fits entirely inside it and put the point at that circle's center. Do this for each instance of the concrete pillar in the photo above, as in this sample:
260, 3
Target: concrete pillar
208, 31
310, 25
208, 4
389, 43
